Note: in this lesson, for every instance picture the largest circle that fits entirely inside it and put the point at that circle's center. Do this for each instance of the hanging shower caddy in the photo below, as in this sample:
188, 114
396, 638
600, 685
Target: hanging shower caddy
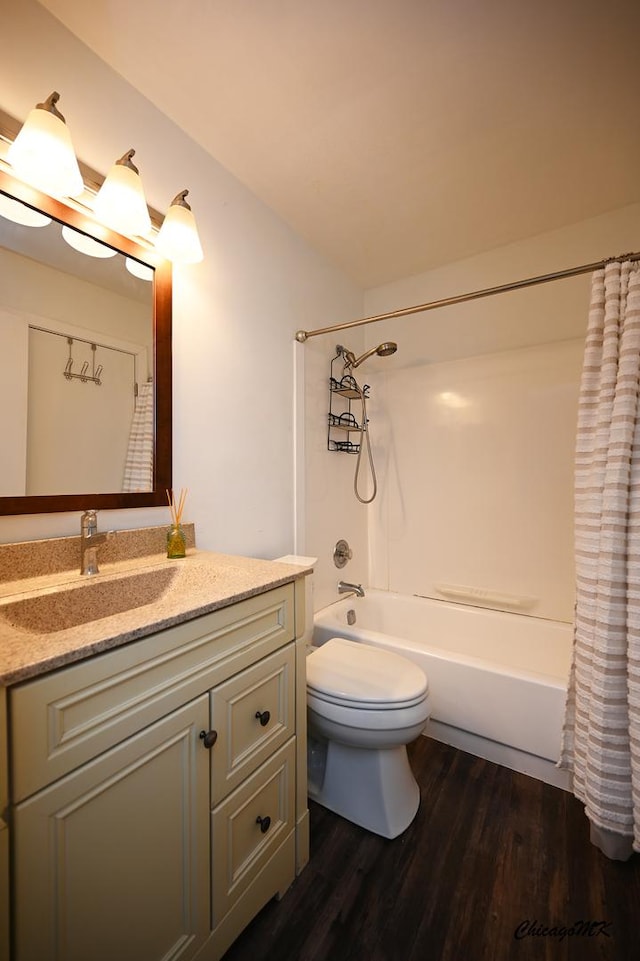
342, 419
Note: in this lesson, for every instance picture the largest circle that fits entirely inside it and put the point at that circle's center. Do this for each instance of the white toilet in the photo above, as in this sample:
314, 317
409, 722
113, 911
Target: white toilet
364, 705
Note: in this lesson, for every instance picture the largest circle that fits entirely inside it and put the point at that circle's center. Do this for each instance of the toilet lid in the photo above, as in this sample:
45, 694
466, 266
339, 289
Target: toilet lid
348, 671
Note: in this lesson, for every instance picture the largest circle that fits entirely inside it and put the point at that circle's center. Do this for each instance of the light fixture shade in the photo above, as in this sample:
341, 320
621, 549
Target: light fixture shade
42, 153
120, 203
178, 238
19, 213
141, 271
86, 245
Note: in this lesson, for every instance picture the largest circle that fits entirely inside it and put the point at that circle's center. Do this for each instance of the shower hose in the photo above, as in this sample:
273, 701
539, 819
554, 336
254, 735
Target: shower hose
364, 435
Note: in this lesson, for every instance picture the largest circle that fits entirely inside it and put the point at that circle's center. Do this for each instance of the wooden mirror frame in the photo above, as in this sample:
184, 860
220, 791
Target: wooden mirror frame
162, 364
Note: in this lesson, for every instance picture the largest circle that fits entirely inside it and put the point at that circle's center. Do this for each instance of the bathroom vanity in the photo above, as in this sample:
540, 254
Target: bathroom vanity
153, 771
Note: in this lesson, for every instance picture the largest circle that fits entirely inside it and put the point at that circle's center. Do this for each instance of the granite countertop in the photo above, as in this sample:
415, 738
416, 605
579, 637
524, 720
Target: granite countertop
197, 584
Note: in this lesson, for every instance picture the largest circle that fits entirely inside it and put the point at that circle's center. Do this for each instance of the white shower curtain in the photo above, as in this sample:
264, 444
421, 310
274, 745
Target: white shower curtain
138, 469
601, 740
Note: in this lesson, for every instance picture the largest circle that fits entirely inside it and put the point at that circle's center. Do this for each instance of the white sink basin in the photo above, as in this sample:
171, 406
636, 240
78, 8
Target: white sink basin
88, 600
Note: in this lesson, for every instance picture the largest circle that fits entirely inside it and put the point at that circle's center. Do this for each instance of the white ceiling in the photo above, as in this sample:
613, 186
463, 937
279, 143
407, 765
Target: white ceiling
395, 135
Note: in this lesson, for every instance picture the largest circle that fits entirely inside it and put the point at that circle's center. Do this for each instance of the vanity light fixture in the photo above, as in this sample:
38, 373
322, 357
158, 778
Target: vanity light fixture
120, 203
42, 153
178, 238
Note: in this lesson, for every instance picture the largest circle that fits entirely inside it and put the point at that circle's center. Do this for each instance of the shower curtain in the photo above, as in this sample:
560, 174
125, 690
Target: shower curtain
601, 738
138, 468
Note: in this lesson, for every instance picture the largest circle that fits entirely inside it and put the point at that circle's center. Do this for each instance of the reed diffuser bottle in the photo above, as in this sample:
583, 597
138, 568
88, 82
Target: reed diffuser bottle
176, 541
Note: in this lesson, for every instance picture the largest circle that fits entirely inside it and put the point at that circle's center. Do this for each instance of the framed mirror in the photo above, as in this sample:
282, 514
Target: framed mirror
85, 335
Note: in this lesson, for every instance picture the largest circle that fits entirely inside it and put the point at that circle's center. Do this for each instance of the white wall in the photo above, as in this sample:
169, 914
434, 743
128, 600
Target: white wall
235, 314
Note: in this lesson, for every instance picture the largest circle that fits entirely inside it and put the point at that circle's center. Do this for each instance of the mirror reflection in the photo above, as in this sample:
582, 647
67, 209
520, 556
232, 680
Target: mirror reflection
77, 340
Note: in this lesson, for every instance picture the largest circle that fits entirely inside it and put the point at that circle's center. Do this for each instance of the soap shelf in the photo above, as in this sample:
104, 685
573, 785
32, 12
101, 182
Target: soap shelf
346, 386
342, 418
346, 446
345, 421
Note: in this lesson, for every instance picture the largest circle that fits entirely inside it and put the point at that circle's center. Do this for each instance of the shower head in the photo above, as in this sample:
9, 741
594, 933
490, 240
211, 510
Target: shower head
382, 350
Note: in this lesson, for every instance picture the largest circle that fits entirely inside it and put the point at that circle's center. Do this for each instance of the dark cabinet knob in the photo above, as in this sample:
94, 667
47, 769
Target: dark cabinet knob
265, 823
264, 717
208, 738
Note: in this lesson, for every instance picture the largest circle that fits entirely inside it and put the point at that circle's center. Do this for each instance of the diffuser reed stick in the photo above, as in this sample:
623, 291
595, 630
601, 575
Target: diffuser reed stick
176, 545
177, 509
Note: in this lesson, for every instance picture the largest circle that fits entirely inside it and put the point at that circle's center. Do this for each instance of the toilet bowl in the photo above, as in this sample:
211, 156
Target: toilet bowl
364, 705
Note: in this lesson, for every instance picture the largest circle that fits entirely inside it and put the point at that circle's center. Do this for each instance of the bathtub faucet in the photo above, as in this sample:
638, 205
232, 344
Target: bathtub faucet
345, 588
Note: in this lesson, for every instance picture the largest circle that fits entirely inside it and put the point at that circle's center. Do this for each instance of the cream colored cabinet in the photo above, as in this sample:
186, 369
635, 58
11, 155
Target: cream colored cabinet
114, 857
156, 791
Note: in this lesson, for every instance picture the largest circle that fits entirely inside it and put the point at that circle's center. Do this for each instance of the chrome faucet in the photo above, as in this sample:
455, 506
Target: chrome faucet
344, 587
89, 540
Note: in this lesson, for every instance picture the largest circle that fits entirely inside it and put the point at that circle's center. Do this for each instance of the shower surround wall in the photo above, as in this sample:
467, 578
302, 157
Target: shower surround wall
476, 479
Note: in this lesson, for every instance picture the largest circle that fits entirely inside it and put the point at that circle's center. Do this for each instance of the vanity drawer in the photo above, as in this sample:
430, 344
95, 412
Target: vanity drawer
253, 715
243, 839
65, 718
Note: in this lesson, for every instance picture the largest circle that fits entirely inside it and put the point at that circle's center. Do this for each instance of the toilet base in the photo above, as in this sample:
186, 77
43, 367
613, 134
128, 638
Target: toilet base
375, 789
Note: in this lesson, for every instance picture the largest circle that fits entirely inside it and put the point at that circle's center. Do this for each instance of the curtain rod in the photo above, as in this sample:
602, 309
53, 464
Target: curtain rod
302, 335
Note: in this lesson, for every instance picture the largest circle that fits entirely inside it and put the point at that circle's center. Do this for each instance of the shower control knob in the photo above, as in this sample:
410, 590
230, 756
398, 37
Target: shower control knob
264, 717
265, 823
342, 553
208, 738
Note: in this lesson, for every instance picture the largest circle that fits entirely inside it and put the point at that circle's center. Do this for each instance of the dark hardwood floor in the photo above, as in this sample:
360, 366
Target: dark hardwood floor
492, 859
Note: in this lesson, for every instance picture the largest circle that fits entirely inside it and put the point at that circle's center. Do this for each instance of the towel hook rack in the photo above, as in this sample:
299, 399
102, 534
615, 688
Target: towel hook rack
84, 375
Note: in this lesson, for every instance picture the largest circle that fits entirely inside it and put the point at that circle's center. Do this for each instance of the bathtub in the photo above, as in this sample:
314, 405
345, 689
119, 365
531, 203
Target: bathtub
497, 680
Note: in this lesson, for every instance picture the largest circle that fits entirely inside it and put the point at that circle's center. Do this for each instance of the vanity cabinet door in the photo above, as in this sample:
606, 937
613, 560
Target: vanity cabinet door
112, 861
